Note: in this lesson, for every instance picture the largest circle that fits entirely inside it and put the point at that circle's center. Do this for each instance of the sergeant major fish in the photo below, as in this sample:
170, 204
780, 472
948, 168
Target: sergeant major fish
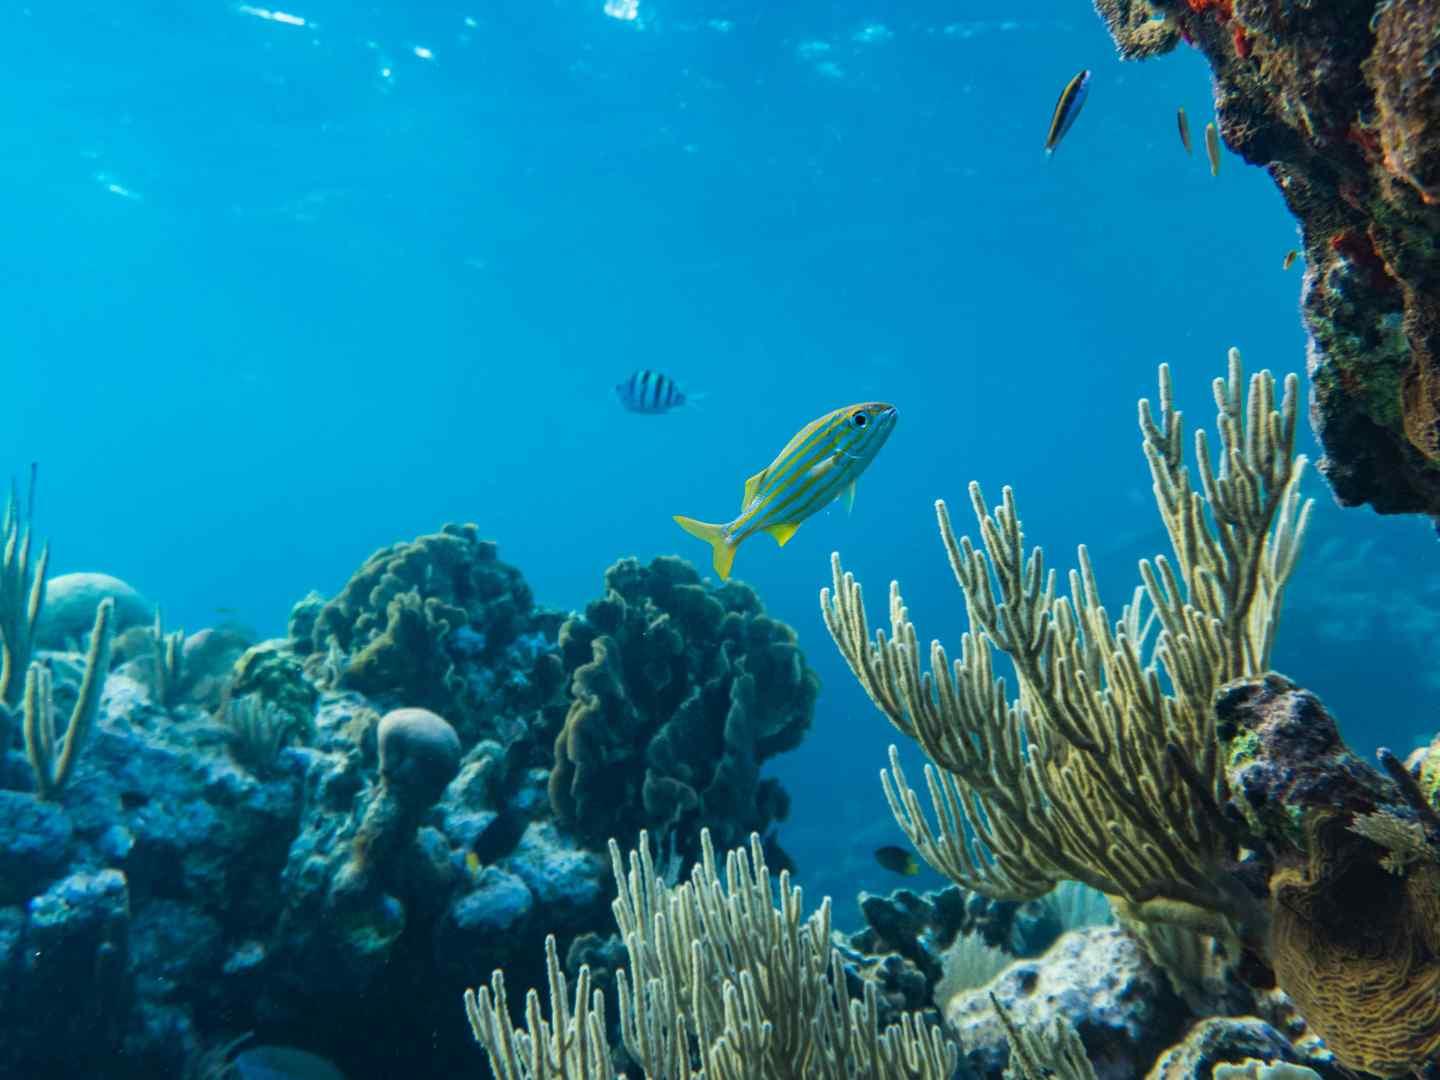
821, 462
650, 392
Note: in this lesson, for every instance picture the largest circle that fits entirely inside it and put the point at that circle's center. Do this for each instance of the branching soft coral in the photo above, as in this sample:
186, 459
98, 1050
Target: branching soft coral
1105, 768
718, 976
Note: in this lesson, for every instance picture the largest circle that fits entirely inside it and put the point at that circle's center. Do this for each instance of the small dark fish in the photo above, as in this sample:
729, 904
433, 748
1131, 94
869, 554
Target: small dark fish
282, 1063
1184, 122
650, 392
1072, 100
1212, 148
227, 611
898, 860
1289, 259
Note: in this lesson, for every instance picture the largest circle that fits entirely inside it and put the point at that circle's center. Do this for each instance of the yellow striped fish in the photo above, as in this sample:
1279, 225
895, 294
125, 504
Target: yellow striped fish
821, 462
1183, 122
1212, 148
1072, 100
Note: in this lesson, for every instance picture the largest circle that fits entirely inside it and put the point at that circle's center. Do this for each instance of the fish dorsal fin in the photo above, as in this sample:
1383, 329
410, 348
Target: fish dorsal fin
752, 488
850, 498
783, 532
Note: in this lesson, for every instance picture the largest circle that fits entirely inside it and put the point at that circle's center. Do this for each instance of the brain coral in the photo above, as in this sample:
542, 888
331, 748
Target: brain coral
679, 691
439, 623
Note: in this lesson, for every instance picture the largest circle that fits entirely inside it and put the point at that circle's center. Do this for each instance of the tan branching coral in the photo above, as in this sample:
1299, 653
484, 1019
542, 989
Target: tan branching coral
1054, 1052
1104, 768
718, 977
22, 592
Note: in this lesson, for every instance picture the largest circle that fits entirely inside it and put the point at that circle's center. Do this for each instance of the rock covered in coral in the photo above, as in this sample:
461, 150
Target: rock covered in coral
680, 691
1340, 103
1100, 980
1354, 881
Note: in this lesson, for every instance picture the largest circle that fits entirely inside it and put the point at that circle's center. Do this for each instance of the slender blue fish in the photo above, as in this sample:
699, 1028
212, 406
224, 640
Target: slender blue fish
1072, 100
820, 463
650, 392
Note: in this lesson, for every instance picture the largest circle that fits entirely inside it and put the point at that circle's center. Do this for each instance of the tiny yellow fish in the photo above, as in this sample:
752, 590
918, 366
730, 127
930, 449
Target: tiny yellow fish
821, 462
1212, 148
472, 863
1289, 259
1184, 122
1072, 100
897, 859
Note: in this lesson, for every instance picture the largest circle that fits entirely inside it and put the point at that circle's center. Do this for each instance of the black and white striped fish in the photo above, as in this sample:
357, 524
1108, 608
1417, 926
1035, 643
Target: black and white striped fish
650, 392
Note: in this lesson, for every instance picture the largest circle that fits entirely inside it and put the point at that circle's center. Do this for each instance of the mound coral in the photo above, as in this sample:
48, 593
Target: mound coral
679, 692
419, 617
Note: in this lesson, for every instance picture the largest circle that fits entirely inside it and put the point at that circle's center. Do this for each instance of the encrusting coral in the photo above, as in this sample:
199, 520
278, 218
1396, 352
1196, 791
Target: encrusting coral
717, 971
679, 692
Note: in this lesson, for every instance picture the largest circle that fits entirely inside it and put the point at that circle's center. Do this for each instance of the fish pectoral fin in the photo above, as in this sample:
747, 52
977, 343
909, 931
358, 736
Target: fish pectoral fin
817, 471
721, 546
783, 532
752, 488
850, 498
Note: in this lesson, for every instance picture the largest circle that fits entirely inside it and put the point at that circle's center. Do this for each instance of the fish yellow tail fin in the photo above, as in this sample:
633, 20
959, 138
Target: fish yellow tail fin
714, 535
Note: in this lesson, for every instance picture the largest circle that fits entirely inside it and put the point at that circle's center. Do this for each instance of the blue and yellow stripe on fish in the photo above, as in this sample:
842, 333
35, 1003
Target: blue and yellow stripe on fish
819, 464
1067, 108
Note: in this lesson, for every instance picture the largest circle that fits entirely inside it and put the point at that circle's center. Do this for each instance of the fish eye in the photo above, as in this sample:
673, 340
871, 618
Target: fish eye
859, 419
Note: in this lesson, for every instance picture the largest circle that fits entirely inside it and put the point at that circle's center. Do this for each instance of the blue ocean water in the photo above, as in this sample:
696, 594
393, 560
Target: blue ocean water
282, 290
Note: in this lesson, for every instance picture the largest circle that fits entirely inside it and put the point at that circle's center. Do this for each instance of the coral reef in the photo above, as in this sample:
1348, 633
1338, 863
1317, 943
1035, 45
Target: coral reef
1340, 103
680, 691
301, 866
